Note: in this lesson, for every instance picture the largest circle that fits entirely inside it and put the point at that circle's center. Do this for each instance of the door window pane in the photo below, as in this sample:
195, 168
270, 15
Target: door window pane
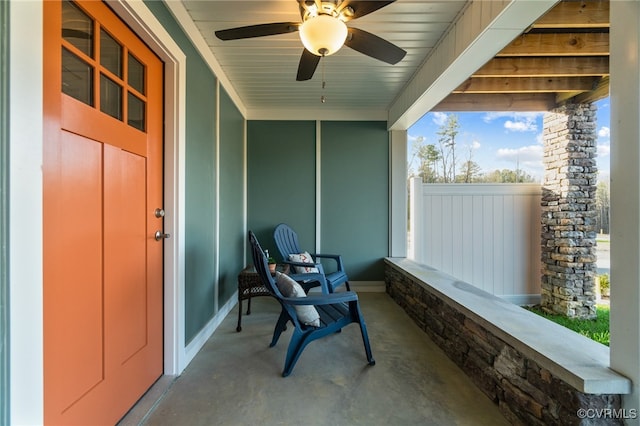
77, 77
110, 53
110, 97
136, 74
136, 114
77, 28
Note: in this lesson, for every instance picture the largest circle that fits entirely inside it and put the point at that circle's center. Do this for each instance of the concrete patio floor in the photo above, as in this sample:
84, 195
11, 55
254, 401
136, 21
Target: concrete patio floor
236, 378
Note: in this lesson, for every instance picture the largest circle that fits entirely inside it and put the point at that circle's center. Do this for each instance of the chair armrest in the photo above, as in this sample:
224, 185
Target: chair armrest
303, 264
306, 280
325, 299
336, 257
318, 266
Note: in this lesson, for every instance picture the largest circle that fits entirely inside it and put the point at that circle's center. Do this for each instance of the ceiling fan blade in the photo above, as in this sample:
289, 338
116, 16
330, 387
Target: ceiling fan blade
374, 46
362, 7
307, 66
260, 30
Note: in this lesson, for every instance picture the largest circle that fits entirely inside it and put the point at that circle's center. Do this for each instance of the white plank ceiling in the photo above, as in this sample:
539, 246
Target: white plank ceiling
262, 71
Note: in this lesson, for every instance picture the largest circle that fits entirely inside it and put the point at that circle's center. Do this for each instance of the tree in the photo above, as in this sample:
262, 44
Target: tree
430, 156
447, 140
602, 206
470, 171
508, 176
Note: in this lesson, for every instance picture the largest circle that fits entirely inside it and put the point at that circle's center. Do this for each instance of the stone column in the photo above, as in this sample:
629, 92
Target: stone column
569, 211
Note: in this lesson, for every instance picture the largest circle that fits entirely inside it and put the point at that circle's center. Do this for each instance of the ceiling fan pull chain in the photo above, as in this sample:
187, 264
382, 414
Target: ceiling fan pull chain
322, 97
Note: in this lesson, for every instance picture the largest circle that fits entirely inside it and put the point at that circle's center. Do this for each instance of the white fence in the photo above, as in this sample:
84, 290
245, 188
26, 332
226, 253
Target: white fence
485, 234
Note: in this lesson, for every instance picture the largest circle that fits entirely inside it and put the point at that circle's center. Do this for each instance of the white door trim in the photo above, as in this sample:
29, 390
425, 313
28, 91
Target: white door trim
26, 140
149, 29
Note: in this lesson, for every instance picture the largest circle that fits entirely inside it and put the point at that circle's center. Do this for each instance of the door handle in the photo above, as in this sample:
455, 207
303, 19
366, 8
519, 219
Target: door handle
160, 235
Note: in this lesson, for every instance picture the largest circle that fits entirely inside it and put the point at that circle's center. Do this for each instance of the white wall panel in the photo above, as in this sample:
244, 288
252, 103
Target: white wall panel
487, 235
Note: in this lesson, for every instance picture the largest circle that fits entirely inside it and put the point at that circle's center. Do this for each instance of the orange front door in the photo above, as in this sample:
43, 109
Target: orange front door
102, 177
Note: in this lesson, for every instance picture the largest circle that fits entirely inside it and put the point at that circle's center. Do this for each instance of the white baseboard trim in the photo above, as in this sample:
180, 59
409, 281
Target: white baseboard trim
368, 286
360, 287
207, 331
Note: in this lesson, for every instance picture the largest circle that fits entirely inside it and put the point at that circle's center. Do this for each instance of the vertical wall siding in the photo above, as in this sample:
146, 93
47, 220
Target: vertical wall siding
281, 179
354, 188
200, 180
355, 196
231, 198
4, 213
487, 235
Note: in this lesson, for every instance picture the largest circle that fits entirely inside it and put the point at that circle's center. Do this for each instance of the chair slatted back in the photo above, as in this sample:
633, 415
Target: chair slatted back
286, 241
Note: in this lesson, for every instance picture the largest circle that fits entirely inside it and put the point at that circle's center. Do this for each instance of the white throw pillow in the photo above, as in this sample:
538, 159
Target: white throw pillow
307, 314
303, 257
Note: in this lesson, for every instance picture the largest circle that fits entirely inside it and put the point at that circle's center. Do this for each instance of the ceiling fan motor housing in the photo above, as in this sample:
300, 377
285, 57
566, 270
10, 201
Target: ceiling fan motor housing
323, 35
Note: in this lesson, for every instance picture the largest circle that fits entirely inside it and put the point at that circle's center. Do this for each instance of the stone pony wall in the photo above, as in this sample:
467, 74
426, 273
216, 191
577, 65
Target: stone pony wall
527, 389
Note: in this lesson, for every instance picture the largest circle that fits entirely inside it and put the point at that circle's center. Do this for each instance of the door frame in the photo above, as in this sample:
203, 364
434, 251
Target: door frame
26, 207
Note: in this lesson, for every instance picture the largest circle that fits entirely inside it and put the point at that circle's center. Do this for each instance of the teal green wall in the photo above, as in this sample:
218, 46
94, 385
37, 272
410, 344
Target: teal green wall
231, 197
4, 213
281, 179
354, 168
355, 196
200, 180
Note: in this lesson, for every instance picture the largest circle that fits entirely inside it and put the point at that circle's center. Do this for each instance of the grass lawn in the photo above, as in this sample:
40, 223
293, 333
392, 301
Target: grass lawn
597, 329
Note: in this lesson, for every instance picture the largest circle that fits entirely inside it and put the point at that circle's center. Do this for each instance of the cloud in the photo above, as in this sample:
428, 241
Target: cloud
517, 121
527, 155
439, 118
604, 150
604, 132
475, 145
521, 126
413, 138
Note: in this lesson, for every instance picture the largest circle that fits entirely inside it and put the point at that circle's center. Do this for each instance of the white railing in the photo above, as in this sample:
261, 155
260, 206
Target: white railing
485, 234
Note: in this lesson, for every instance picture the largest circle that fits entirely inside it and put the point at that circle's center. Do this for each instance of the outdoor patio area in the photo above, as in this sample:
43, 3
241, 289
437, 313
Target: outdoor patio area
236, 378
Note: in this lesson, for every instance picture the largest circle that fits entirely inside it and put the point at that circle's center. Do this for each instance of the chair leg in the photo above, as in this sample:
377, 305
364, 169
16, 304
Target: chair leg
296, 346
346, 283
281, 326
355, 306
239, 327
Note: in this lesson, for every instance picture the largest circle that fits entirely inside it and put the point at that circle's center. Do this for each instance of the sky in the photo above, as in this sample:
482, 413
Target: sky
504, 140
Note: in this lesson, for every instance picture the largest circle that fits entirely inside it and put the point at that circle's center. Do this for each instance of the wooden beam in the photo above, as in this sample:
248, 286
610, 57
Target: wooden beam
562, 44
497, 102
600, 92
545, 67
527, 85
576, 14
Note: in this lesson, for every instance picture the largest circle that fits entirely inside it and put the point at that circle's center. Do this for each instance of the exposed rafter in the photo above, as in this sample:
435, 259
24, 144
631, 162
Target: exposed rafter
562, 44
545, 67
576, 14
528, 85
562, 57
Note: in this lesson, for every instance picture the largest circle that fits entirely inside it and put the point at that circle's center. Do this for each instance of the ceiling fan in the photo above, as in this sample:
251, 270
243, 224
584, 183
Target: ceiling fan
323, 32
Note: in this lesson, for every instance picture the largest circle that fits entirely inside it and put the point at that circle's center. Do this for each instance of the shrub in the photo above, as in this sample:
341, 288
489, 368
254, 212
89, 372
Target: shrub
604, 283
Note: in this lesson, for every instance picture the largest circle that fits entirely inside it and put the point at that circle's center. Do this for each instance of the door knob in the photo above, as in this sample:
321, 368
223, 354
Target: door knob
159, 213
160, 235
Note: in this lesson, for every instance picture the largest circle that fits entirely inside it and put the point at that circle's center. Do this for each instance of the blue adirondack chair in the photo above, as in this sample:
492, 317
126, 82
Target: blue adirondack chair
335, 311
287, 242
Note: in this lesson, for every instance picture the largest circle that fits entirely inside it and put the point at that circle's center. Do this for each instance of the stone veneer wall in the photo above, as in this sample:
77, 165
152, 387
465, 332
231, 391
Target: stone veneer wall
569, 211
525, 392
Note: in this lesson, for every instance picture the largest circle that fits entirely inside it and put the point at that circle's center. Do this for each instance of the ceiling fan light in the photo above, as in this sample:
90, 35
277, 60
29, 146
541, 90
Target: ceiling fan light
323, 35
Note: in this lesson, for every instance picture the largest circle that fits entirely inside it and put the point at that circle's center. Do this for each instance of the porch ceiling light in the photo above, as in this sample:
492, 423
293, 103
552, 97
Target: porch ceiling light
323, 35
